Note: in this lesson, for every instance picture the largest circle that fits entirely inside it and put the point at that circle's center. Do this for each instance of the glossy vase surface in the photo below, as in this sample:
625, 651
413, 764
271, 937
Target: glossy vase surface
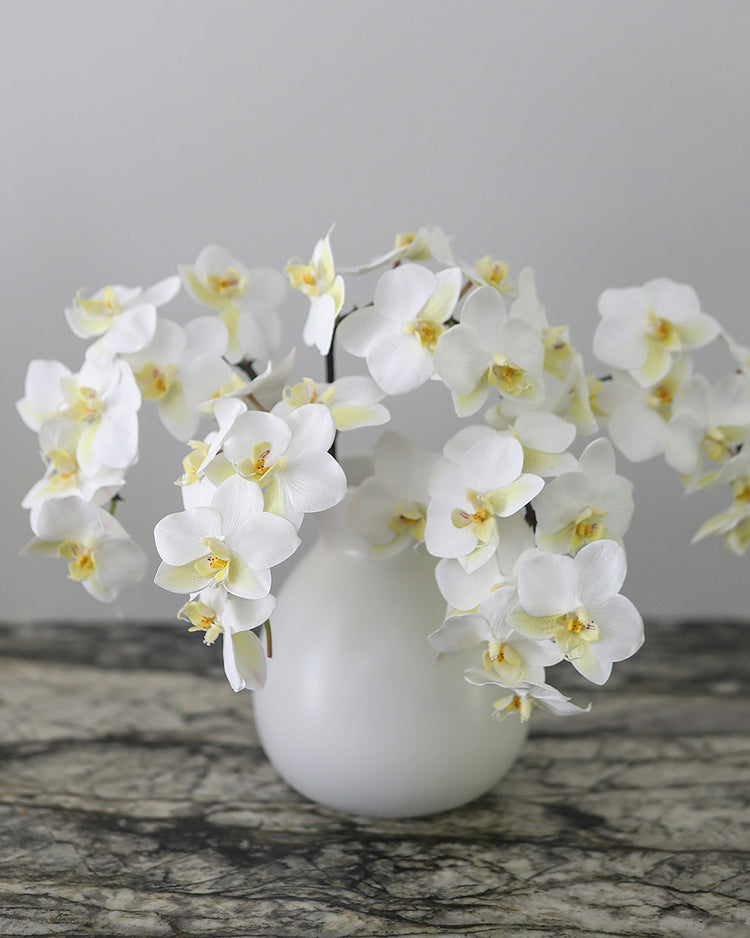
358, 713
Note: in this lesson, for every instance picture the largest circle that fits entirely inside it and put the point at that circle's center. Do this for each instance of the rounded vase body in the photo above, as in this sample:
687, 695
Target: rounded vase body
358, 712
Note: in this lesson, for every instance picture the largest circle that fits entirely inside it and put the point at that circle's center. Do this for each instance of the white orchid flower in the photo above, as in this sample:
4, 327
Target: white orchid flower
205, 467
214, 612
288, 459
353, 401
644, 329
545, 439
429, 241
105, 401
318, 281
102, 399
465, 591
182, 367
246, 299
576, 602
734, 523
590, 504
196, 488
559, 354
488, 271
232, 544
100, 554
468, 489
521, 698
58, 443
125, 317
489, 349
571, 398
398, 334
637, 417
509, 656
707, 420
388, 509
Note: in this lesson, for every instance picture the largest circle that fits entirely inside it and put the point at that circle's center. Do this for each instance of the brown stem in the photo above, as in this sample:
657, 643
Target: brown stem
269, 641
254, 400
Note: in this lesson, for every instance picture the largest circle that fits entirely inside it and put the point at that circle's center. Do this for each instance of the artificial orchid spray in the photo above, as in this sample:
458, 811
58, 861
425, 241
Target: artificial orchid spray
527, 536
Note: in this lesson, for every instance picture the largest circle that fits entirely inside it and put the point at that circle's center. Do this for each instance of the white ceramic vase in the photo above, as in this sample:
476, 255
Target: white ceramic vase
357, 713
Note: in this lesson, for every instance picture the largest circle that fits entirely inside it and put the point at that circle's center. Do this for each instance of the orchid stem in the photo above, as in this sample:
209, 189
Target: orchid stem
256, 403
269, 640
331, 377
247, 366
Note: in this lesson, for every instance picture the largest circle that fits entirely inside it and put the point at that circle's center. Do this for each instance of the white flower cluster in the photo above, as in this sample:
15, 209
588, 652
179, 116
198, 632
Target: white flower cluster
653, 404
529, 537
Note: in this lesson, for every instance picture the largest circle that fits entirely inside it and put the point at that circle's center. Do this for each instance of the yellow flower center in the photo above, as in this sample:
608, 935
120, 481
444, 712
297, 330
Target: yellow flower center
255, 468
482, 517
741, 489
507, 377
65, 463
557, 350
405, 239
82, 563
719, 442
202, 618
661, 331
191, 463
660, 399
504, 660
229, 284
106, 305
494, 273
588, 526
514, 704
427, 331
409, 518
574, 628
309, 280
155, 381
87, 407
215, 563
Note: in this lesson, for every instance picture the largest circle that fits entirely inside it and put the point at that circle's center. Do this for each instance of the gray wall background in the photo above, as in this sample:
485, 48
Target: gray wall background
604, 143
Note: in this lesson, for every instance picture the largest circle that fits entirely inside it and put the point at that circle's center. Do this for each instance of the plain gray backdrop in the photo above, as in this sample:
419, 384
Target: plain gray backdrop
603, 143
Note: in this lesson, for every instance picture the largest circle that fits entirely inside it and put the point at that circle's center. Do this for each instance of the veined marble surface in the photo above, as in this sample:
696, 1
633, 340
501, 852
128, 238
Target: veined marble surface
135, 801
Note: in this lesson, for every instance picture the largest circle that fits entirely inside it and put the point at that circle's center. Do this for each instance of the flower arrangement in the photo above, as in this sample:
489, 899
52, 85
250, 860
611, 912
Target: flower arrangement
527, 536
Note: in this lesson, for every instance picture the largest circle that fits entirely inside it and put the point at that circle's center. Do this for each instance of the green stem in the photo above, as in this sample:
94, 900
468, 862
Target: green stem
269, 639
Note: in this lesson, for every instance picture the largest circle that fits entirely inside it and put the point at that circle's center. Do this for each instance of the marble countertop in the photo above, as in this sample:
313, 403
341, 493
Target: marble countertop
136, 801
